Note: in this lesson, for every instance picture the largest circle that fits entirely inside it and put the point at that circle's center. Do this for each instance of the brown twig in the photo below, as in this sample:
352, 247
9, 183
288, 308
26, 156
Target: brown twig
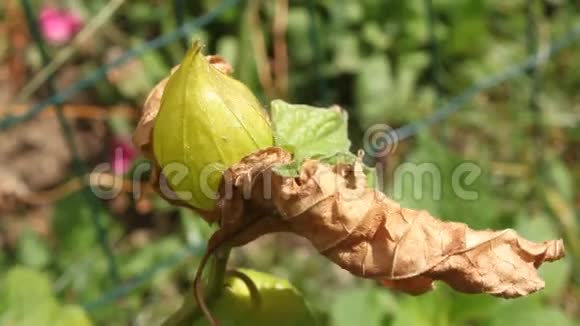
82, 111
198, 293
280, 63
95, 178
259, 47
16, 33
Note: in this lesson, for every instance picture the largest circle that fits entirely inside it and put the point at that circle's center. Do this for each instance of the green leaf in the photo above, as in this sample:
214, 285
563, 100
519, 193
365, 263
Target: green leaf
290, 170
308, 131
277, 302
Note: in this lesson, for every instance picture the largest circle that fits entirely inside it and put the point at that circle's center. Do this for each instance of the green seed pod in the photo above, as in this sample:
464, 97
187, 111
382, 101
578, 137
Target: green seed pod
252, 298
207, 122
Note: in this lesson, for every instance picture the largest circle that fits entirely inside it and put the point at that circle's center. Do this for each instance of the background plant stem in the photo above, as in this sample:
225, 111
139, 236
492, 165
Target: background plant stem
189, 310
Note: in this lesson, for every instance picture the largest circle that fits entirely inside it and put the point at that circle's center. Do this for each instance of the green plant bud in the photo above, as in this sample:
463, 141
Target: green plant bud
207, 122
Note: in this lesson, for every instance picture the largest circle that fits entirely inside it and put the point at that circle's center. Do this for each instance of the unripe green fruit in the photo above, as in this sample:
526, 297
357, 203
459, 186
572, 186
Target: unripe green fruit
207, 122
275, 302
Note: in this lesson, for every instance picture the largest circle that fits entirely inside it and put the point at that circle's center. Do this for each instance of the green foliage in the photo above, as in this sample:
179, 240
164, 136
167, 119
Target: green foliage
27, 299
80, 260
361, 306
526, 312
375, 59
32, 250
311, 132
438, 180
430, 309
74, 228
385, 95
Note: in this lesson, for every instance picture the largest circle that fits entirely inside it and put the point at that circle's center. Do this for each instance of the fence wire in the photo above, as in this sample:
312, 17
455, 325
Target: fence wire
458, 102
122, 290
454, 104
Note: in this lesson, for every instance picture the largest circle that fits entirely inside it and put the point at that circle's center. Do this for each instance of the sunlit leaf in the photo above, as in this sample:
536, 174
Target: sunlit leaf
308, 131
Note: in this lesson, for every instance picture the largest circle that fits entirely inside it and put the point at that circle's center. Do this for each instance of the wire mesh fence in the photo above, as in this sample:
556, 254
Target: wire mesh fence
537, 57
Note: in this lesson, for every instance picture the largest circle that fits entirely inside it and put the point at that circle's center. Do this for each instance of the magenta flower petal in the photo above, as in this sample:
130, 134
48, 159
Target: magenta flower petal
59, 26
123, 155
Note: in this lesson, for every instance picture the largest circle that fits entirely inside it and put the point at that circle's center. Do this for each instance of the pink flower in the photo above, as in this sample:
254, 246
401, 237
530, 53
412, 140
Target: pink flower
59, 26
123, 155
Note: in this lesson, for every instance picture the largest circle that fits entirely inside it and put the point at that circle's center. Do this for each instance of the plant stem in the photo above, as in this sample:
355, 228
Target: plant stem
218, 273
190, 309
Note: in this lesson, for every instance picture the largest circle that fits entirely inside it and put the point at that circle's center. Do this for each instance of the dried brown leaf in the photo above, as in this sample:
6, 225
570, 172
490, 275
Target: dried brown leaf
220, 63
143, 132
370, 235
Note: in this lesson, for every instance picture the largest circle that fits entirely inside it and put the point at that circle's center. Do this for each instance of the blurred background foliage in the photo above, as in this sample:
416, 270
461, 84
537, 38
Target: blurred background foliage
385, 62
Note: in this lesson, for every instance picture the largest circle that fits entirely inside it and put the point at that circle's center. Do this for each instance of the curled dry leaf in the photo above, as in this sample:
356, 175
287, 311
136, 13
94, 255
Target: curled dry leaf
220, 63
370, 235
142, 135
